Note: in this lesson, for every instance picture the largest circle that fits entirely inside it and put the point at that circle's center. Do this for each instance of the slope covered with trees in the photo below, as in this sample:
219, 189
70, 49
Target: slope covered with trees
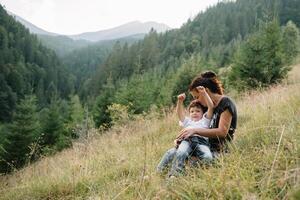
27, 67
36, 90
214, 39
62, 45
84, 62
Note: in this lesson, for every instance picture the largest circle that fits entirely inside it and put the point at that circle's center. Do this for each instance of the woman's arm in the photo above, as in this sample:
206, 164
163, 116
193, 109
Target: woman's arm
208, 101
221, 131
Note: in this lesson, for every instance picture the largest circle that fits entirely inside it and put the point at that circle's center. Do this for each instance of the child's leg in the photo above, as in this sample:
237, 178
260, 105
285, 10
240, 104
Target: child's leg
181, 155
166, 159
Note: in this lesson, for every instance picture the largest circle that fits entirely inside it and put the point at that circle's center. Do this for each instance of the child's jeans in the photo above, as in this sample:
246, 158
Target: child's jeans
179, 156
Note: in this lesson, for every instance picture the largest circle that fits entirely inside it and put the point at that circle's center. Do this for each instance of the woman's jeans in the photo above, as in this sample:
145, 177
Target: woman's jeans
179, 156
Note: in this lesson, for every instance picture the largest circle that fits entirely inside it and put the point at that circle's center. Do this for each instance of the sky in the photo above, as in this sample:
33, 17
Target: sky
78, 16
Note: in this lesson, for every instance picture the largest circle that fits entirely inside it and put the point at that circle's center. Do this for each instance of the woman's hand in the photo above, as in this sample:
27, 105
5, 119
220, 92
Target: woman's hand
201, 90
185, 133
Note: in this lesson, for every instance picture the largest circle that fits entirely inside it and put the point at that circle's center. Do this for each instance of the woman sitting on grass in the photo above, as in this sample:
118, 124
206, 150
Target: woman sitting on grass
224, 119
198, 118
223, 122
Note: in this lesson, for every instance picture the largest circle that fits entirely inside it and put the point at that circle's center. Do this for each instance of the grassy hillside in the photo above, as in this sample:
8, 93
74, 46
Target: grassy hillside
264, 162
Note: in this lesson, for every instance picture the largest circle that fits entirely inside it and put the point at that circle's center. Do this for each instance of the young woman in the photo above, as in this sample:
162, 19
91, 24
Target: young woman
222, 126
224, 120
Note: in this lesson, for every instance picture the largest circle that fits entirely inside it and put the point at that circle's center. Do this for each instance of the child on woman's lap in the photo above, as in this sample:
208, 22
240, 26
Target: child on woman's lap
194, 144
197, 119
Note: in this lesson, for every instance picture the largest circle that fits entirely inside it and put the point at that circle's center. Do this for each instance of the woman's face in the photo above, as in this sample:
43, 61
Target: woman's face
196, 95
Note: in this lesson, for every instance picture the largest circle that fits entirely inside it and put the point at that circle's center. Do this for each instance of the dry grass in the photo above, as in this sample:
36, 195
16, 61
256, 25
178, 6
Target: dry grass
263, 163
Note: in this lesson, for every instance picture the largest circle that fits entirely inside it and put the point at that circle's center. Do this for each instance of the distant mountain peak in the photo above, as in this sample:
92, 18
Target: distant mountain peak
32, 28
121, 31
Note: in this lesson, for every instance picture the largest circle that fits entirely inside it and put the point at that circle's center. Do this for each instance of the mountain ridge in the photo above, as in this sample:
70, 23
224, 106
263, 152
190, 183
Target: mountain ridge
124, 30
32, 28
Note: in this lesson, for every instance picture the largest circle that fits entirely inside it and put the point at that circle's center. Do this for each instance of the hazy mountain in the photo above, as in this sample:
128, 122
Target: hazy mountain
32, 28
61, 44
129, 29
132, 28
64, 45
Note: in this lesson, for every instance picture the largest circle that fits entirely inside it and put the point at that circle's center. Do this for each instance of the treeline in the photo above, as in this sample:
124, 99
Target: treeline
27, 67
83, 63
264, 57
215, 34
260, 60
39, 112
225, 37
62, 45
35, 132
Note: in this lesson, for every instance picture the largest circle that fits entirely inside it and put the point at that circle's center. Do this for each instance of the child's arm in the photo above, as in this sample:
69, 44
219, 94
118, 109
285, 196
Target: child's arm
209, 103
179, 107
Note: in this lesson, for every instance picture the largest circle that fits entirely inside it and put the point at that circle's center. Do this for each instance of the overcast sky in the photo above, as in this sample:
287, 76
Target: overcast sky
77, 16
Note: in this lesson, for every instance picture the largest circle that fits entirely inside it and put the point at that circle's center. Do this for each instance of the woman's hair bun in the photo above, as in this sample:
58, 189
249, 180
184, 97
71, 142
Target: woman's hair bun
209, 74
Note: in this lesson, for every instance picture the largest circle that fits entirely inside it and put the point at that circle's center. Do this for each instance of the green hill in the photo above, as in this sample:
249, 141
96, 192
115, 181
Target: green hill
120, 164
27, 67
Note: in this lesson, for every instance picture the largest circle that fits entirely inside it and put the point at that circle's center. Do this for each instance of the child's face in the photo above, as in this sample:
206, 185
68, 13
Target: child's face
196, 113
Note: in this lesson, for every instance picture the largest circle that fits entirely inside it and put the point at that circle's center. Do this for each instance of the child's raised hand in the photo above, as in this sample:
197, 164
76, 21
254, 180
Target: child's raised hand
181, 97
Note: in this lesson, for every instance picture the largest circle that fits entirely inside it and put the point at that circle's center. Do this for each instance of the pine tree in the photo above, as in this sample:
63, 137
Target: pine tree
23, 132
259, 62
55, 136
76, 116
52, 125
290, 42
100, 113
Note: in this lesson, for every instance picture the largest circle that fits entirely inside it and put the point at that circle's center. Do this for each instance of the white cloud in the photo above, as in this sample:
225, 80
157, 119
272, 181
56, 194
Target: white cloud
76, 16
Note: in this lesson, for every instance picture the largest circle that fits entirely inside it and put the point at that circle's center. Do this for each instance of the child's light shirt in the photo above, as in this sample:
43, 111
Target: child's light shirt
202, 123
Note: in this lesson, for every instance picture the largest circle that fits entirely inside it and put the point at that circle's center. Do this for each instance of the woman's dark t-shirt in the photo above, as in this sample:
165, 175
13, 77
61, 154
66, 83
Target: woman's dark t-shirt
217, 144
